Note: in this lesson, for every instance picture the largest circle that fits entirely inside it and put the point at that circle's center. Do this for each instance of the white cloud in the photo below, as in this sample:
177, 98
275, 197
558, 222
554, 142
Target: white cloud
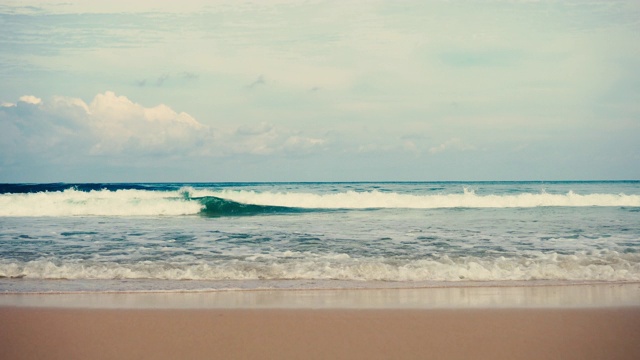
410, 146
122, 125
265, 139
259, 129
108, 125
30, 99
300, 144
451, 144
113, 125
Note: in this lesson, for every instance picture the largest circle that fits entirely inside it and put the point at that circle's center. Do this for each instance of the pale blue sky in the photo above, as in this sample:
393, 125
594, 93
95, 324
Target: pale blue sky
319, 90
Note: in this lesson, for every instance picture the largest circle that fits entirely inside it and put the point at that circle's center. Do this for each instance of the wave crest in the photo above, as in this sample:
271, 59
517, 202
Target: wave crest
189, 201
380, 200
72, 202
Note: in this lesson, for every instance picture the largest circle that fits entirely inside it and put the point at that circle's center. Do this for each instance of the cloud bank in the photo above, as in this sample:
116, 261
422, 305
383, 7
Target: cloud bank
112, 125
109, 124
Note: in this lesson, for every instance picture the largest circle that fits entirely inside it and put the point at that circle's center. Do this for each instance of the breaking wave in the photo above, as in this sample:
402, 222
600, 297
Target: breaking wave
602, 266
188, 201
466, 199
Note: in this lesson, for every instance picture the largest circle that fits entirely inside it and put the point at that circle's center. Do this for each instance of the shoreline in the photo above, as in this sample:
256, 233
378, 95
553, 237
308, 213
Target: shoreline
596, 321
588, 295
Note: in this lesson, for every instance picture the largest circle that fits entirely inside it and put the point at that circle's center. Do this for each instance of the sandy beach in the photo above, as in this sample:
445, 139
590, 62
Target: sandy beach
588, 330
34, 333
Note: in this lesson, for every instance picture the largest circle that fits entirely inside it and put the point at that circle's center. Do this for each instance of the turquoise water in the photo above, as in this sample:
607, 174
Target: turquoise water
128, 237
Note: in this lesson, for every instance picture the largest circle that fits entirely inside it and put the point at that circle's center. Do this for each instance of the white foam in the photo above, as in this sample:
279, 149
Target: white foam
376, 199
72, 202
602, 266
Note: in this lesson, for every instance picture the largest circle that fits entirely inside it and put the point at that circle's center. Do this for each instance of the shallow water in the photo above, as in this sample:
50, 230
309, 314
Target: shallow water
61, 237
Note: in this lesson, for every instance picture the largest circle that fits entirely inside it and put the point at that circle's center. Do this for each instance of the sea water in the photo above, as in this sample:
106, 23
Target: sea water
204, 236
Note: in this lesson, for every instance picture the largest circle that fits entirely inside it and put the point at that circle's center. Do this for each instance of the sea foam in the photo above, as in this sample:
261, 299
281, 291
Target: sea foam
600, 266
71, 202
377, 199
188, 201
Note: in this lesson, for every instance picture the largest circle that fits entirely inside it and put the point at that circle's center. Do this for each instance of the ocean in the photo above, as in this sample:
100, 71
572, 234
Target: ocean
140, 237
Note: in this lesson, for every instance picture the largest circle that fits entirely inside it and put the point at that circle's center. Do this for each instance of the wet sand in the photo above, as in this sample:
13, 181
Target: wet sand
100, 331
45, 333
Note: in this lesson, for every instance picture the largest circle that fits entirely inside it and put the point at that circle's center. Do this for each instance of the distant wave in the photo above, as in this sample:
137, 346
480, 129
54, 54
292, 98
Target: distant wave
380, 200
72, 202
187, 201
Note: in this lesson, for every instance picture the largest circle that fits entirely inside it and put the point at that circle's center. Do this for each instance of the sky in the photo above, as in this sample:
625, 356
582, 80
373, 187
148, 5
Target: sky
284, 90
